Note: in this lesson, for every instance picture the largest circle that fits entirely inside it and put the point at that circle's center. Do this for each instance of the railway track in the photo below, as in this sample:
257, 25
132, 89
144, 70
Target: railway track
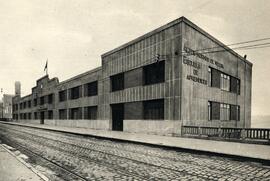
111, 166
66, 174
120, 160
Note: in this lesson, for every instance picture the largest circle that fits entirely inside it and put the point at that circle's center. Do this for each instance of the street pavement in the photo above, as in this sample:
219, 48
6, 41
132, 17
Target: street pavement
11, 169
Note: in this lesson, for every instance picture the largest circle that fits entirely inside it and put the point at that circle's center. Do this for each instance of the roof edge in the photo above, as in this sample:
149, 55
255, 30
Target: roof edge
178, 20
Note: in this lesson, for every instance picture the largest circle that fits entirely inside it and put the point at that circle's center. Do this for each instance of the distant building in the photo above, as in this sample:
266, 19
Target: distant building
17, 88
1, 110
175, 75
7, 106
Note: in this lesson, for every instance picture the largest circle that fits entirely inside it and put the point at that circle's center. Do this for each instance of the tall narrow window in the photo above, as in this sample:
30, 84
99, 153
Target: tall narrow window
215, 78
42, 100
209, 110
209, 76
215, 111
238, 86
50, 98
50, 114
35, 102
225, 82
63, 95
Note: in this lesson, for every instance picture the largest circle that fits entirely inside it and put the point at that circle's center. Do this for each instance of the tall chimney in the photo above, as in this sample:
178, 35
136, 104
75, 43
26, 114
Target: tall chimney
17, 88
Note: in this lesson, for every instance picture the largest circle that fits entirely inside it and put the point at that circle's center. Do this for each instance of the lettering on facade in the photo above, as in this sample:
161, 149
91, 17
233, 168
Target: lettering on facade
195, 75
189, 52
197, 79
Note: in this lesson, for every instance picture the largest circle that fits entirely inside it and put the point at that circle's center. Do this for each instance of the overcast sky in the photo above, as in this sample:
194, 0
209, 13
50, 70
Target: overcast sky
73, 34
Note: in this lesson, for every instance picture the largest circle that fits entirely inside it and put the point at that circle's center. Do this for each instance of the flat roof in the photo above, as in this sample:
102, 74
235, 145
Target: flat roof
170, 24
80, 75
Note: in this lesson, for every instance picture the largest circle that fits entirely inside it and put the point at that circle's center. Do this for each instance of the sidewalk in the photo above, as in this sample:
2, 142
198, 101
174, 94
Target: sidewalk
256, 151
11, 169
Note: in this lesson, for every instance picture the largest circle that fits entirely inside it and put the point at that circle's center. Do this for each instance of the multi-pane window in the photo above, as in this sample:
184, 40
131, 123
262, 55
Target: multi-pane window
50, 98
29, 115
91, 89
21, 105
63, 95
62, 114
209, 76
42, 100
117, 82
224, 111
90, 112
225, 82
29, 104
154, 109
24, 105
75, 113
50, 114
75, 92
154, 73
35, 102
35, 115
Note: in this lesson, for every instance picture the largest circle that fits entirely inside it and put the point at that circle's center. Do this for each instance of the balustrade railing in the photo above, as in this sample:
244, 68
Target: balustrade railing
230, 133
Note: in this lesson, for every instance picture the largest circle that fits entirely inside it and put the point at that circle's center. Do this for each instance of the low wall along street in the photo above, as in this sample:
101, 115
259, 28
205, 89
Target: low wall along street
158, 127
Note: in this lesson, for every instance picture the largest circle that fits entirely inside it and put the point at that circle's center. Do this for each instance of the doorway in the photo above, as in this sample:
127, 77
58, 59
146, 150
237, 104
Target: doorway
42, 117
117, 117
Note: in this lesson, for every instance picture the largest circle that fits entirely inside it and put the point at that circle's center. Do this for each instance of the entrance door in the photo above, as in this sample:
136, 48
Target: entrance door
117, 117
42, 117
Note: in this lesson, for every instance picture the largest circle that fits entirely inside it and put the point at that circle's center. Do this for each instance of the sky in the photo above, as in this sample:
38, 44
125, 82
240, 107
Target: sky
72, 35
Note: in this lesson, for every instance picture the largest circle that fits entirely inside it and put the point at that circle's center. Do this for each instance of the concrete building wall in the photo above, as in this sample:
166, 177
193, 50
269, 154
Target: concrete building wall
196, 95
166, 42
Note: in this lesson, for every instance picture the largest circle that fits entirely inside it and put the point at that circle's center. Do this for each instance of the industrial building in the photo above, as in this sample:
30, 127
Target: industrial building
175, 75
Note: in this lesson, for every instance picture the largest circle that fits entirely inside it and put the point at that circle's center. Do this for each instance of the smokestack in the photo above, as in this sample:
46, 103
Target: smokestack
17, 88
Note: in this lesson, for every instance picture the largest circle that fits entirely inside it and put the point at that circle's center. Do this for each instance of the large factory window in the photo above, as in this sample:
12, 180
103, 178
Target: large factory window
63, 95
50, 98
154, 73
90, 112
50, 114
91, 89
224, 111
117, 82
62, 114
75, 92
75, 113
223, 81
153, 109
